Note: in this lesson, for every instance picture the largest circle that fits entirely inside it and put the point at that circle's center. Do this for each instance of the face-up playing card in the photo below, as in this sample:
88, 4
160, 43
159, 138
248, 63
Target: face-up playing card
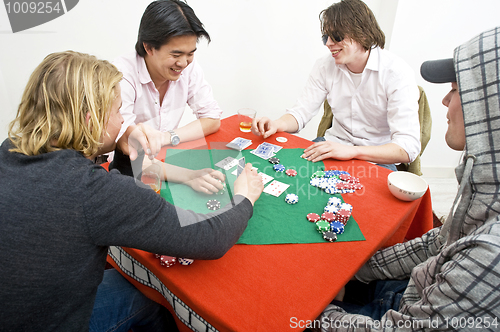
276, 188
239, 143
227, 163
265, 178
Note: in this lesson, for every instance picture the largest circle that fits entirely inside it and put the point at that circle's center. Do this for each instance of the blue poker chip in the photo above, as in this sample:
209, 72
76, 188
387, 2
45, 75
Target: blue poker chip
279, 168
292, 199
315, 182
337, 227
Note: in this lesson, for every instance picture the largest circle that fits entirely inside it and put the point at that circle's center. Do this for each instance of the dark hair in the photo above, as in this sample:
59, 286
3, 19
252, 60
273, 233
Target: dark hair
352, 19
164, 19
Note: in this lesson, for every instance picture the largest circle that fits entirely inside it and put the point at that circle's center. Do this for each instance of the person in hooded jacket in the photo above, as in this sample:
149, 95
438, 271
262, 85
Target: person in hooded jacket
448, 279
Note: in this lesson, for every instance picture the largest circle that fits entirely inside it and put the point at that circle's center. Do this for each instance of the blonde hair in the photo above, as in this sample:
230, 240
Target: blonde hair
60, 93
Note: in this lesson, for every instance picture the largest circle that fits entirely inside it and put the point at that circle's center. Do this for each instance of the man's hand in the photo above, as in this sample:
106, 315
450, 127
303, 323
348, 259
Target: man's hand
322, 150
249, 184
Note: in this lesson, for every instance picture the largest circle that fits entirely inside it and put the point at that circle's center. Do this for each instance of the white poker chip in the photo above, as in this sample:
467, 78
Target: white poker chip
282, 139
291, 199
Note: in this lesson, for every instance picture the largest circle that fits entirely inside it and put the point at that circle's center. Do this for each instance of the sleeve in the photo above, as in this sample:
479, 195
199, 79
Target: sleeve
312, 96
402, 110
458, 290
200, 96
398, 261
121, 213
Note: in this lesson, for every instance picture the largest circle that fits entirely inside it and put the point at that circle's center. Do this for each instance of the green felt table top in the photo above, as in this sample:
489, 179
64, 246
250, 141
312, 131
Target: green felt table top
274, 221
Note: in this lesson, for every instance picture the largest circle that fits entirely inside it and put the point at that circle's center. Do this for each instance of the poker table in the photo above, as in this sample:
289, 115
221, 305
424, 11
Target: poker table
275, 287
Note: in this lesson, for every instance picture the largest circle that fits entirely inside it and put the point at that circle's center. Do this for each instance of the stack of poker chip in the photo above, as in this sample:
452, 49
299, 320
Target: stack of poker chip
291, 172
274, 160
333, 220
167, 261
292, 198
335, 182
213, 204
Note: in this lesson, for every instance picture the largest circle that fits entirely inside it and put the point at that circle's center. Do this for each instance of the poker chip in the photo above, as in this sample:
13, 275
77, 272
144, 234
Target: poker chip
331, 209
291, 172
279, 168
343, 216
335, 201
292, 199
318, 174
330, 236
346, 206
274, 160
185, 261
337, 227
282, 139
329, 174
328, 217
213, 204
167, 261
315, 182
323, 226
313, 217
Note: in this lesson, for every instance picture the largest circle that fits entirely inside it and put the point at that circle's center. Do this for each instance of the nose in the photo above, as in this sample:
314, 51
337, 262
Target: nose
182, 62
446, 100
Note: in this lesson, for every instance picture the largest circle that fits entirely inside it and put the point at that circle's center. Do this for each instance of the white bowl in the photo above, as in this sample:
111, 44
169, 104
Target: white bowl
406, 186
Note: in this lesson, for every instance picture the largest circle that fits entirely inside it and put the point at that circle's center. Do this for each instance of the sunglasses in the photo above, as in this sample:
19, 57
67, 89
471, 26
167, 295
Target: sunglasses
336, 38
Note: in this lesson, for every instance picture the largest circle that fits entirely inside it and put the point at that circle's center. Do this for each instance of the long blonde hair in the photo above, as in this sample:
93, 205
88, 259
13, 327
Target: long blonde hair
60, 93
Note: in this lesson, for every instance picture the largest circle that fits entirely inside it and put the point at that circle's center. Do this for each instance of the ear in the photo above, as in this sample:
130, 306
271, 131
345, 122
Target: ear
148, 48
87, 118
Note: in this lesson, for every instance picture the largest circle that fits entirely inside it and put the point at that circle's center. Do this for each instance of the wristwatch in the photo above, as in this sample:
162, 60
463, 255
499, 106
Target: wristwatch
174, 138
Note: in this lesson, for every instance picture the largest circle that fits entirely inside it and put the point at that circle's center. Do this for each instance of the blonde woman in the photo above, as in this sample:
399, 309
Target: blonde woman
59, 212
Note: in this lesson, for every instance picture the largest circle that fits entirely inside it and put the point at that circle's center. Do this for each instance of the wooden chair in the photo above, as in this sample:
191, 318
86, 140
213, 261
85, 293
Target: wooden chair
424, 115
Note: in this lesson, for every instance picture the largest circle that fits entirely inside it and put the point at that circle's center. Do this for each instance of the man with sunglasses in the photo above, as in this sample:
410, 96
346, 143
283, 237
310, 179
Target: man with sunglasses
372, 93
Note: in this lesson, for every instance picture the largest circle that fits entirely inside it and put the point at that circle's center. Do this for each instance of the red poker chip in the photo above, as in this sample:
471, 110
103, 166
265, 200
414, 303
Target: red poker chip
328, 216
291, 172
358, 186
313, 217
167, 261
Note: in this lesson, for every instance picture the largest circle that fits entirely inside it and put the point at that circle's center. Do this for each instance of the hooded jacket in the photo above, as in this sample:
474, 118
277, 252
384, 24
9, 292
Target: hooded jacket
454, 270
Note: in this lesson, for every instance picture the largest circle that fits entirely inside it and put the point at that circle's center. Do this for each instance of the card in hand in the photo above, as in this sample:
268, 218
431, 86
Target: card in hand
227, 163
276, 188
239, 143
241, 166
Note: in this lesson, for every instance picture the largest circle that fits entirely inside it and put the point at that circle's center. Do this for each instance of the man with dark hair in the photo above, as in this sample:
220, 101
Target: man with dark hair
372, 93
160, 78
447, 279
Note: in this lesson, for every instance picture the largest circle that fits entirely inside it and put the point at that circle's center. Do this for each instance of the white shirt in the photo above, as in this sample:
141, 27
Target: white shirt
141, 99
382, 109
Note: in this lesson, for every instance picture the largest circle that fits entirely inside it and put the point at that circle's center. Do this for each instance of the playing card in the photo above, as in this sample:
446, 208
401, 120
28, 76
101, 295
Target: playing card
265, 178
276, 188
236, 170
239, 143
227, 163
241, 166
275, 148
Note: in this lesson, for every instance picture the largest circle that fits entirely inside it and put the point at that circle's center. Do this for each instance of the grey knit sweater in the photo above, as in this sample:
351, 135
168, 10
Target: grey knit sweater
59, 213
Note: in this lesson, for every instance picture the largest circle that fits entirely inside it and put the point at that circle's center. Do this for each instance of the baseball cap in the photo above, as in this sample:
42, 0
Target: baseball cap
438, 71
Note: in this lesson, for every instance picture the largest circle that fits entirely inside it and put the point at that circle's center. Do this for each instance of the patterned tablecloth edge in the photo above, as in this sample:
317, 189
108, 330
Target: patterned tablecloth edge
131, 267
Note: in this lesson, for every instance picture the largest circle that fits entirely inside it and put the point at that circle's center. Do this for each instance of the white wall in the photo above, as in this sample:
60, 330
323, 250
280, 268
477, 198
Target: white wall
261, 50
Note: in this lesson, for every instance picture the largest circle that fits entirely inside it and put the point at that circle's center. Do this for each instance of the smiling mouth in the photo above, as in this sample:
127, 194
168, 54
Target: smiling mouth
335, 52
177, 70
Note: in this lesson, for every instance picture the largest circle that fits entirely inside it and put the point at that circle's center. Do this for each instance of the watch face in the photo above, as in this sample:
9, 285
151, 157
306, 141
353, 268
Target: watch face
174, 139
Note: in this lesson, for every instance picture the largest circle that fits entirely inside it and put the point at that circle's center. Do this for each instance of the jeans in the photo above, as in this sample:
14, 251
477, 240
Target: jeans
391, 167
121, 307
373, 299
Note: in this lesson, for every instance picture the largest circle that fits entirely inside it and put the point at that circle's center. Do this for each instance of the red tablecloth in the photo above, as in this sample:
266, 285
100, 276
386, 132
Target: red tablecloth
276, 287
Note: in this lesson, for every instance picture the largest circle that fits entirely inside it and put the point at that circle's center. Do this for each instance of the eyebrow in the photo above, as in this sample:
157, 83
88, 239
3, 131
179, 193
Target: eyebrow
180, 52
